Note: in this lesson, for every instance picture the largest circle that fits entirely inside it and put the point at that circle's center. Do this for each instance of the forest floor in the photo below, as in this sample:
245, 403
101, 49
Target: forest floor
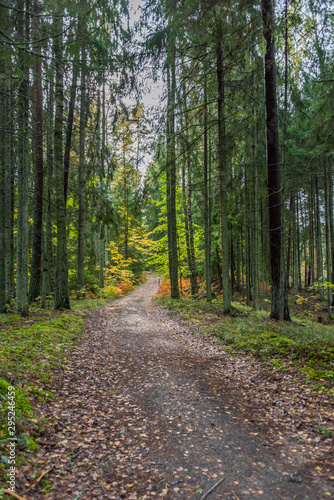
149, 407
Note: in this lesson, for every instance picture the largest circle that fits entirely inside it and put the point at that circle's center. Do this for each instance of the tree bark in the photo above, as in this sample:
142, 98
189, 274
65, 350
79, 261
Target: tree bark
61, 280
36, 261
185, 214
223, 171
102, 174
82, 180
256, 223
311, 215
328, 242
171, 177
46, 279
69, 128
247, 245
320, 270
278, 310
188, 211
9, 193
23, 166
331, 222
2, 205
207, 232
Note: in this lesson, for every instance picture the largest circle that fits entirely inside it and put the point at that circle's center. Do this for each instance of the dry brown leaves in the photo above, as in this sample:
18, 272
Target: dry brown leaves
148, 407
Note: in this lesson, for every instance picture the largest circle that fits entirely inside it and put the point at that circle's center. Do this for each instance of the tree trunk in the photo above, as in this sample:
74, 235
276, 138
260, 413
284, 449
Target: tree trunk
328, 243
237, 261
36, 261
303, 225
284, 272
188, 211
319, 240
82, 180
2, 203
219, 270
186, 219
242, 264
168, 186
207, 215
331, 222
247, 245
102, 174
232, 260
193, 275
288, 255
61, 279
9, 195
126, 213
23, 167
256, 223
171, 177
223, 171
69, 128
46, 279
311, 215
278, 310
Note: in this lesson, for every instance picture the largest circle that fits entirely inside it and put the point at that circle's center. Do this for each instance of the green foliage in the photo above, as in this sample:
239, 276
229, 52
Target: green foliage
110, 291
324, 431
159, 254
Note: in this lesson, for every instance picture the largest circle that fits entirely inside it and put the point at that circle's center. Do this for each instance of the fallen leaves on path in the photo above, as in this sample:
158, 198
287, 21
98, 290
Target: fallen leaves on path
149, 408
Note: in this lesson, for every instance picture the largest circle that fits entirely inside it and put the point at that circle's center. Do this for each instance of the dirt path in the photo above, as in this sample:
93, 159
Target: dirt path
143, 414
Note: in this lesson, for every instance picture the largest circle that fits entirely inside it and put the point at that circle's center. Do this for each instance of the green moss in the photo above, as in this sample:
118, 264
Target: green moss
276, 343
31, 351
318, 374
22, 401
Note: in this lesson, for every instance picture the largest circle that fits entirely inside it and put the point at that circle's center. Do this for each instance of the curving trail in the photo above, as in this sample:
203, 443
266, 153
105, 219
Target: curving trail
144, 414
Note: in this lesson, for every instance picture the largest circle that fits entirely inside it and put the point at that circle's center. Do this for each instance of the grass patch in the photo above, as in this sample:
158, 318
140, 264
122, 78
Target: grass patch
310, 347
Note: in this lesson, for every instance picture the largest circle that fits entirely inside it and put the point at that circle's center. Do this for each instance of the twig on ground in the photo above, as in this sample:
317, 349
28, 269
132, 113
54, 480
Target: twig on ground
44, 474
9, 492
213, 488
36, 481
176, 482
72, 458
236, 496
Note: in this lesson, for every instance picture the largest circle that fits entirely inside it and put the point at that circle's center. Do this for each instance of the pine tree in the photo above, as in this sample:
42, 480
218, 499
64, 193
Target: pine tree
278, 310
61, 278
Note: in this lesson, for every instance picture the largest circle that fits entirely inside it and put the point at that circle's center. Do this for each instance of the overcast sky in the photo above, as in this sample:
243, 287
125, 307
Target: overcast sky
152, 92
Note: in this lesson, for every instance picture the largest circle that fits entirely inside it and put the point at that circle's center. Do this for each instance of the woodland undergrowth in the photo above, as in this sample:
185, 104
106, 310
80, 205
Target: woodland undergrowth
302, 344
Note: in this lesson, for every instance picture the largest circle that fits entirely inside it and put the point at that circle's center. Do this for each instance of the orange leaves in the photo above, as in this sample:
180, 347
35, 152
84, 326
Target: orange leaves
164, 289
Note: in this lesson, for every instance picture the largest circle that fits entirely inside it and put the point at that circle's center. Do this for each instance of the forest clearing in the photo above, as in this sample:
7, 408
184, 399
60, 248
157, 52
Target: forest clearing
166, 249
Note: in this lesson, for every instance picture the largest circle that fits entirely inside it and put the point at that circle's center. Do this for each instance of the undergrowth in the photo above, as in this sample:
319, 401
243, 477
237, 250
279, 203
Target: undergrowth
310, 347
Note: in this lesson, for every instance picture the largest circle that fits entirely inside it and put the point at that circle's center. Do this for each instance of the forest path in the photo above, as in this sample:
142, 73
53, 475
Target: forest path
143, 414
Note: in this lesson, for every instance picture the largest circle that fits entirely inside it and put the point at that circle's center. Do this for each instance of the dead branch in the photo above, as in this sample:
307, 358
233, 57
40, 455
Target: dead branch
213, 488
9, 492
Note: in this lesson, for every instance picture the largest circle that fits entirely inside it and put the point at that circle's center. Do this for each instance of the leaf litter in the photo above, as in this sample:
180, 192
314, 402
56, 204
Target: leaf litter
149, 408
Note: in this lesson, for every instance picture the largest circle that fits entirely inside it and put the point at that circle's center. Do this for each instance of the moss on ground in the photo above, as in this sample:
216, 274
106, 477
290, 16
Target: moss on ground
310, 347
32, 353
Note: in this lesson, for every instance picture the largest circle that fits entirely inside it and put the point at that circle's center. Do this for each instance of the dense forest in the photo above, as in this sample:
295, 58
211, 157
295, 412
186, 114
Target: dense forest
183, 151
226, 183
